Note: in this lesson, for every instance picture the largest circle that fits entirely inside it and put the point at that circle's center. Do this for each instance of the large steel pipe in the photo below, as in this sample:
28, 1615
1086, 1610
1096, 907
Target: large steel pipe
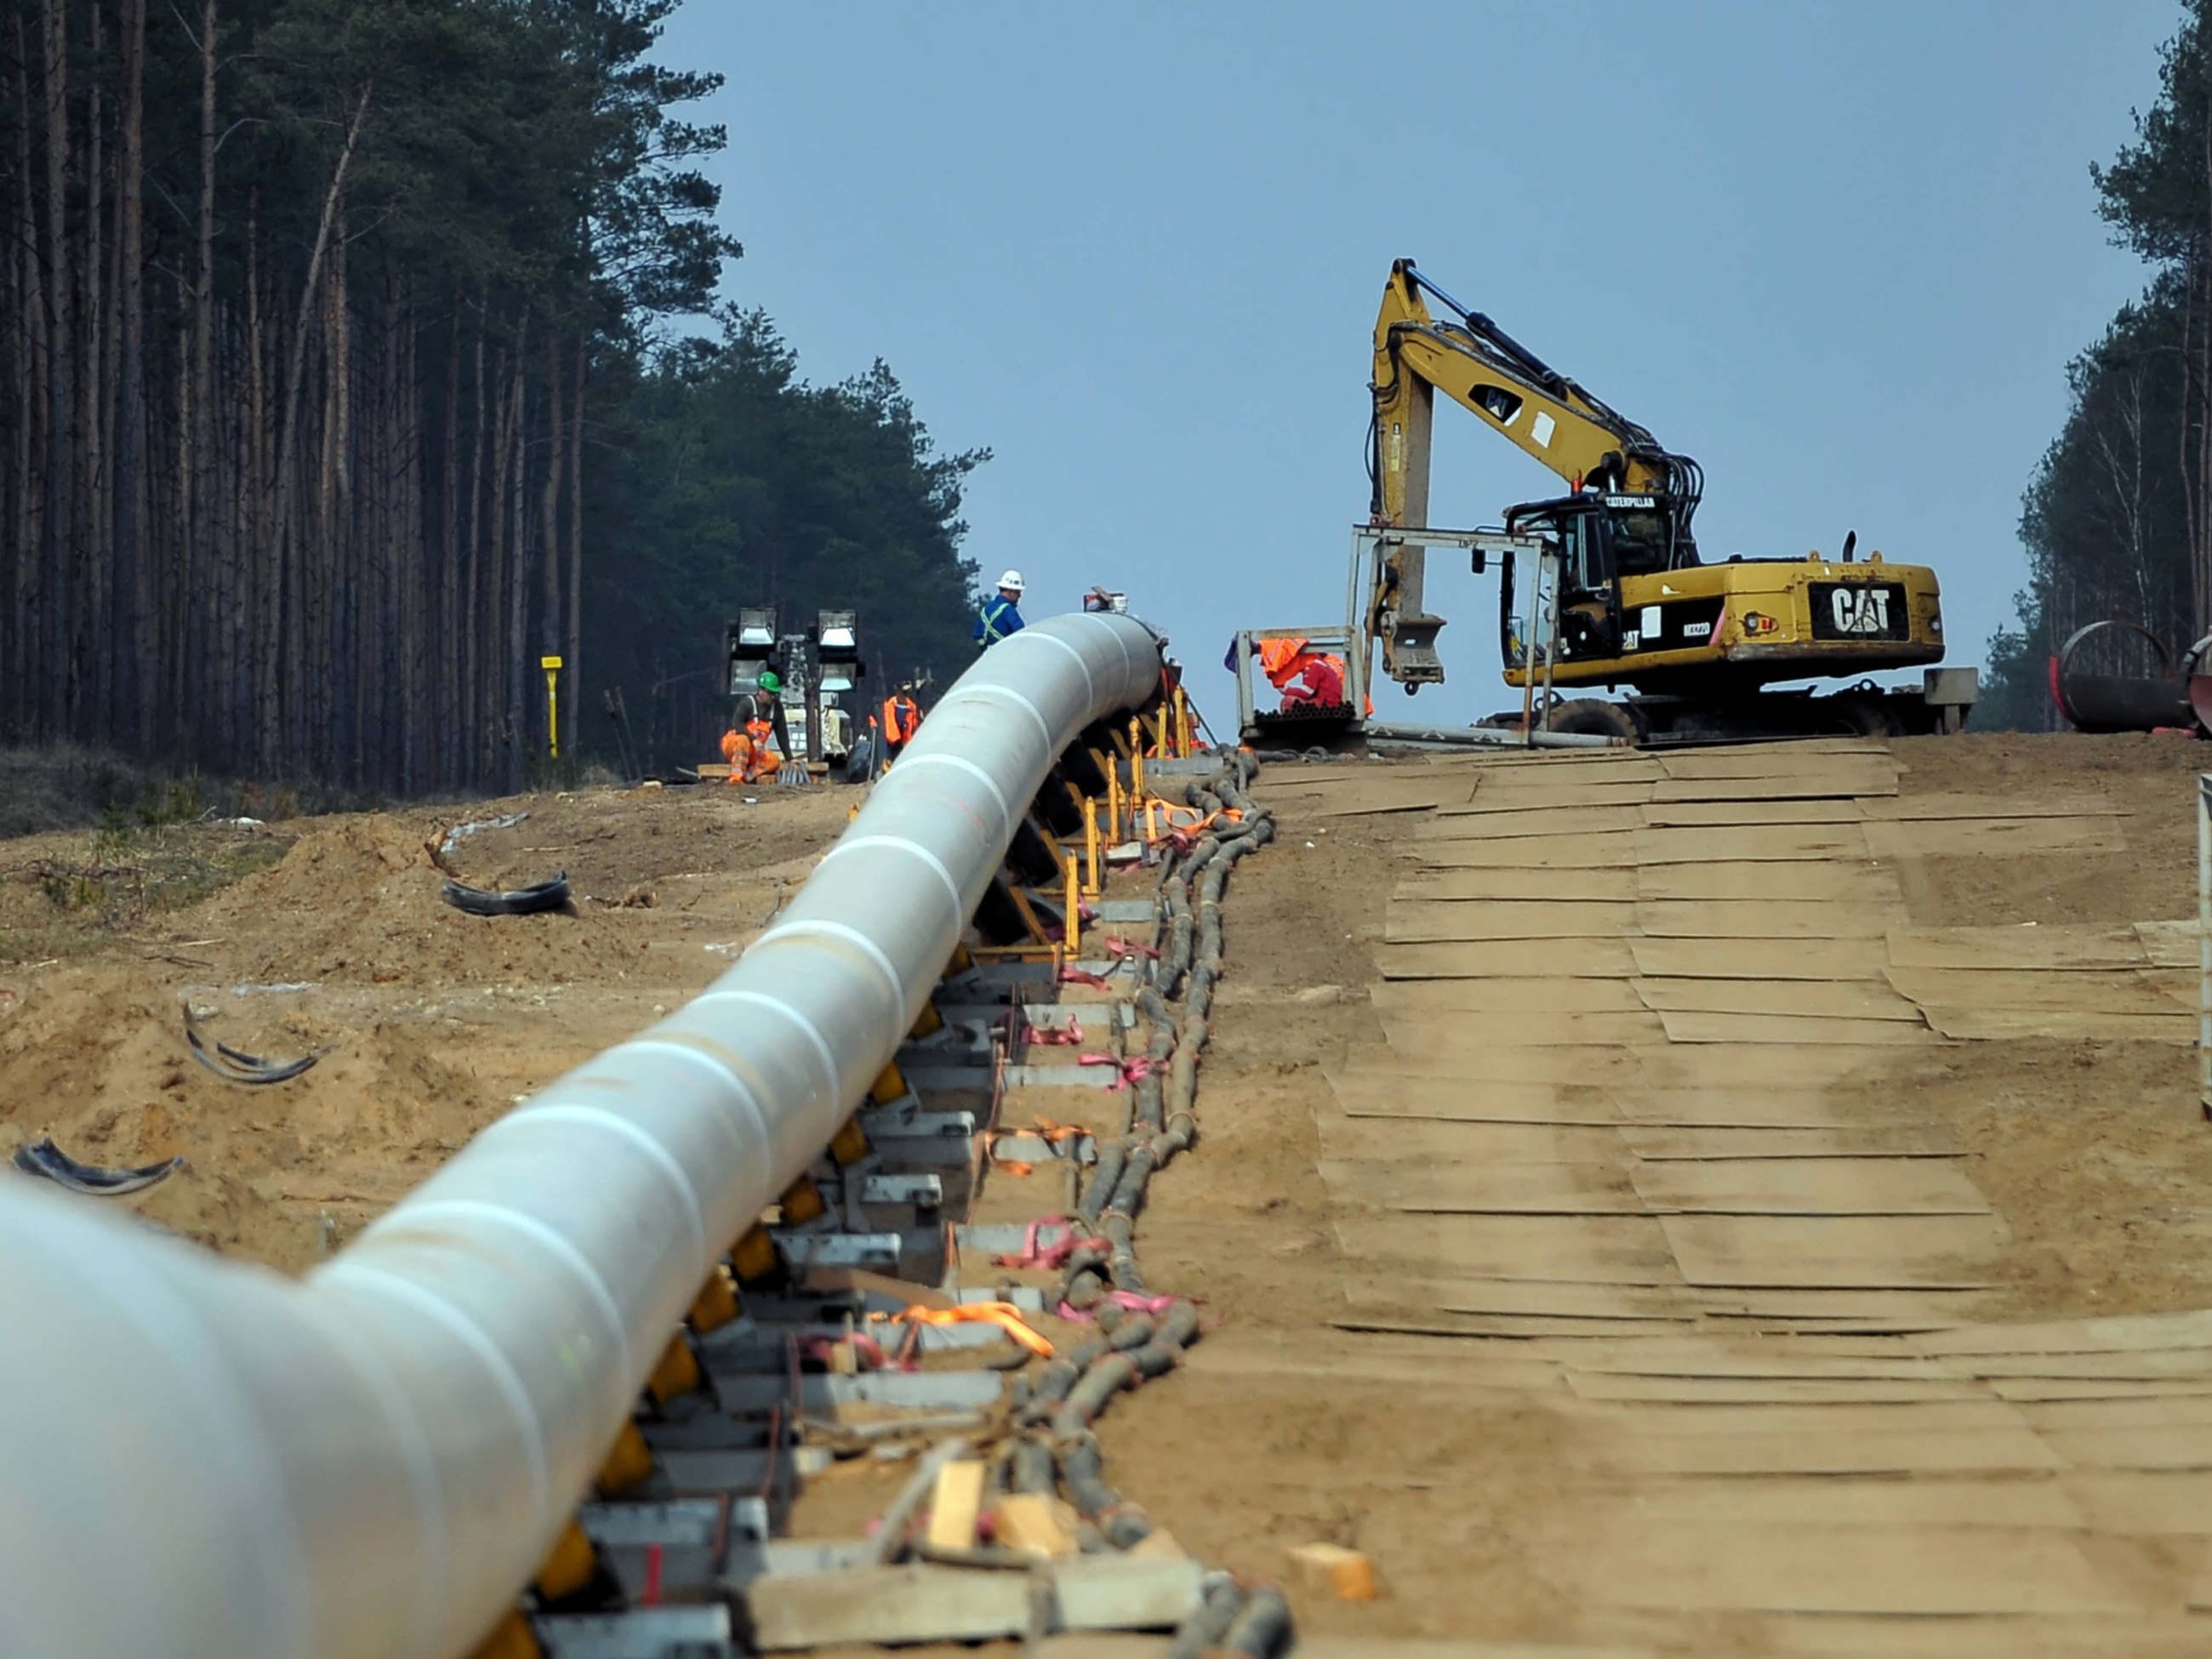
205, 1458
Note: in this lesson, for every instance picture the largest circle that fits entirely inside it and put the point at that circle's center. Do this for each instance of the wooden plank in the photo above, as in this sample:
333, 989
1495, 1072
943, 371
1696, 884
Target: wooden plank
1791, 999
1841, 1451
2026, 990
1804, 786
1778, 760
1750, 843
1935, 1501
2170, 943
1486, 1140
1564, 795
1719, 1144
1948, 805
1438, 1036
1841, 1252
1927, 838
1508, 919
1736, 919
1694, 814
2057, 1336
1565, 959
2143, 1505
1604, 1249
1949, 1307
1537, 1298
1820, 1568
1473, 1100
1816, 1187
1695, 957
1549, 886
2025, 947
1798, 882
1691, 1026
1795, 1072
1543, 852
2187, 1446
956, 1503
1416, 1188
1499, 825
1766, 1390
1538, 994
1377, 1065
2004, 1025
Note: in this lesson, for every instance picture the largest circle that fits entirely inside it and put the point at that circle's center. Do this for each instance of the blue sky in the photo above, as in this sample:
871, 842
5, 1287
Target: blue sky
1838, 253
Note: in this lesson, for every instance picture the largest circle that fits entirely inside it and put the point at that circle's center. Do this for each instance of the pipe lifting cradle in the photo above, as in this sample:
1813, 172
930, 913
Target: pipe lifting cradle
207, 1460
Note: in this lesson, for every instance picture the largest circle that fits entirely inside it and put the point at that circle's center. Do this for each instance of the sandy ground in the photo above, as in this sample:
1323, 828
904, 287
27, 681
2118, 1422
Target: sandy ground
433, 1022
1282, 1429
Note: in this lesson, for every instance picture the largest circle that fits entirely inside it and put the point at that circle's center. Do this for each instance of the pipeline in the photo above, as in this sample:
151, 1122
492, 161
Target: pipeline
215, 1462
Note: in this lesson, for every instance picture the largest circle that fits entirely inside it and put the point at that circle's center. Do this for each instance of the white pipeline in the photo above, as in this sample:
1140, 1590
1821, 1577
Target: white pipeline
204, 1460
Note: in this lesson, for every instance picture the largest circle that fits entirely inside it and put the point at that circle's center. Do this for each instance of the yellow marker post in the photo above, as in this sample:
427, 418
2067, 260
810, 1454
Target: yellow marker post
1183, 724
1073, 895
1091, 846
552, 667
1136, 762
1114, 803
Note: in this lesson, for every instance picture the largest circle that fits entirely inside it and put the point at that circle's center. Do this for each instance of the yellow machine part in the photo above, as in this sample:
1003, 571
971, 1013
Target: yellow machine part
1767, 624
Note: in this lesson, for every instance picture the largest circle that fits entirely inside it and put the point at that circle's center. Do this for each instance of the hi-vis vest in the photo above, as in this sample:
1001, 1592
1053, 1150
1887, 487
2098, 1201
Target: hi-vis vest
902, 719
992, 612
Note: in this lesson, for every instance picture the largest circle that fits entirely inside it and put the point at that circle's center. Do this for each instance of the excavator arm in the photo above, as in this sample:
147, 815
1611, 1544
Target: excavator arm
1485, 370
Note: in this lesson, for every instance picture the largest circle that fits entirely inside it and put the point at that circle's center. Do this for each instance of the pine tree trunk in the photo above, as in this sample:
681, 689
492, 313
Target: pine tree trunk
572, 720
53, 619
127, 624
549, 529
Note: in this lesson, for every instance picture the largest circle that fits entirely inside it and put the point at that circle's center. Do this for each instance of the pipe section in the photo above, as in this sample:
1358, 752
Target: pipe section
207, 1460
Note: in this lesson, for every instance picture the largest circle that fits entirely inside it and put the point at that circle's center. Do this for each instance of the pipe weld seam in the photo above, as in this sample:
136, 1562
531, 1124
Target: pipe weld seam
539, 1232
906, 763
415, 1452
504, 1376
903, 844
850, 935
806, 1026
721, 1069
1043, 726
1090, 685
599, 1118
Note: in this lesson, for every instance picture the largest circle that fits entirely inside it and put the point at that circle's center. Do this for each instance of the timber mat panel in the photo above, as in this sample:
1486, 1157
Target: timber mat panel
1377, 1065
1732, 1028
2000, 1025
2025, 947
1597, 816
1798, 999
1593, 1249
1776, 1391
2168, 1333
1574, 958
1515, 998
1794, 883
1839, 957
1705, 814
1746, 843
1841, 1187
1990, 807
1546, 886
2171, 945
1709, 1144
1729, 921
1535, 1298
1922, 838
1602, 850
1806, 787
1773, 761
1474, 1101
1572, 1189
1506, 919
1562, 796
1835, 1252
1351, 1138
1441, 1036
2028, 990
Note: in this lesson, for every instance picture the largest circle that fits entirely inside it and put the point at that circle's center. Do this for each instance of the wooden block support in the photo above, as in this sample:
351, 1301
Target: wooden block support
956, 1503
890, 1086
510, 1638
629, 1461
677, 1373
569, 1564
1333, 1570
850, 1144
753, 1256
802, 1202
716, 1304
926, 1021
1034, 1523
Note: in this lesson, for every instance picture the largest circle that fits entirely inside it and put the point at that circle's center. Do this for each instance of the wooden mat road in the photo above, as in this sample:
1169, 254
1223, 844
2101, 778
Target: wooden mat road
1603, 1138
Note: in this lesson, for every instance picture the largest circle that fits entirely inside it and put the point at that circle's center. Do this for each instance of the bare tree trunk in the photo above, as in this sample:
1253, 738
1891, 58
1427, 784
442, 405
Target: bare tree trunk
129, 626
575, 653
448, 628
55, 533
549, 515
474, 716
517, 641
93, 649
23, 622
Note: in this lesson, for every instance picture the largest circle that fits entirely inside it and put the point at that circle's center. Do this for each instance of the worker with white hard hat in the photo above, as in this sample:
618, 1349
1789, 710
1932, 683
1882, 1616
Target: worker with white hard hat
998, 615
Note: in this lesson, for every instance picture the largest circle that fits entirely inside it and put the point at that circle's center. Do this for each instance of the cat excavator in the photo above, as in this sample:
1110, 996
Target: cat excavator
1630, 601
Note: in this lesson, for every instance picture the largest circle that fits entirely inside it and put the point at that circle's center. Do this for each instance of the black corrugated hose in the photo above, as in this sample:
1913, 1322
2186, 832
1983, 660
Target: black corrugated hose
1075, 1388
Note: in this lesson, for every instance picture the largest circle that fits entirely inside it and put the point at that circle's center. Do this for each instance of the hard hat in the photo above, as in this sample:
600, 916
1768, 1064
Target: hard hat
769, 682
1011, 582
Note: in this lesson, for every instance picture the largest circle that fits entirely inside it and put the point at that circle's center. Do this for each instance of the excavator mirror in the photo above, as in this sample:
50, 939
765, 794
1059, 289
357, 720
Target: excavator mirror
1481, 561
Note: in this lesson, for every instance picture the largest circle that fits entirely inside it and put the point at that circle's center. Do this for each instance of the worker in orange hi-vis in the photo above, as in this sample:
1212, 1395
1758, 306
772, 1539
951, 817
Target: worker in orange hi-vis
1301, 674
902, 719
751, 749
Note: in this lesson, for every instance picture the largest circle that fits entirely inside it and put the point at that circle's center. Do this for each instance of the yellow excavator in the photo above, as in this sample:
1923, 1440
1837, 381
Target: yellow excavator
1629, 601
